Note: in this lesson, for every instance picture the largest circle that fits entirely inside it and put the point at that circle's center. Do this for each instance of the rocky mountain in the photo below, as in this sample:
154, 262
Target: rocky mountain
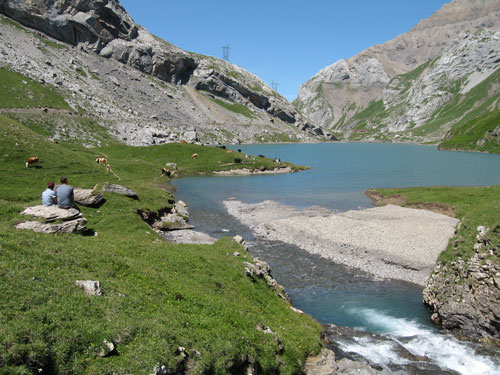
135, 86
415, 86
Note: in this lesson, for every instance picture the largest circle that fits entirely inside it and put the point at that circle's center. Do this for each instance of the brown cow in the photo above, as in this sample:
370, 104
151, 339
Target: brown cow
184, 141
31, 160
194, 156
101, 161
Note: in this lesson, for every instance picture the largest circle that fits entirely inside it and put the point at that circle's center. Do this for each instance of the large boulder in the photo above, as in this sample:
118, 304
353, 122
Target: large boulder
87, 197
72, 220
52, 213
72, 226
118, 189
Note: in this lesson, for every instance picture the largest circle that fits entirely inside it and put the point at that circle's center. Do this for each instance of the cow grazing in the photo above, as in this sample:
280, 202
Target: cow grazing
31, 160
237, 160
184, 141
228, 151
166, 172
194, 156
101, 161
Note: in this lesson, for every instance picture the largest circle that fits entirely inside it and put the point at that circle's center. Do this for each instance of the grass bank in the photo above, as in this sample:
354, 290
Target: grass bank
474, 206
157, 296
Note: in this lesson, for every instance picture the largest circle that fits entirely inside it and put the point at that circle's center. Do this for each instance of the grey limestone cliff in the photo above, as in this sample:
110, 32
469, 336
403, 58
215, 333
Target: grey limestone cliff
144, 89
401, 84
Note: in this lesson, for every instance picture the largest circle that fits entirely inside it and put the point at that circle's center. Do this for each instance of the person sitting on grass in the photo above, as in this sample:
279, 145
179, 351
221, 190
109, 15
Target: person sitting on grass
49, 196
65, 196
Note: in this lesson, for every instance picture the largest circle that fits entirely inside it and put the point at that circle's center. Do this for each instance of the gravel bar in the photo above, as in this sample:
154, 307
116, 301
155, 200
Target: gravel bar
388, 242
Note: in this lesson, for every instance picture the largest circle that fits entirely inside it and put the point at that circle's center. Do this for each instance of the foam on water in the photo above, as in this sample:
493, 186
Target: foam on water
443, 350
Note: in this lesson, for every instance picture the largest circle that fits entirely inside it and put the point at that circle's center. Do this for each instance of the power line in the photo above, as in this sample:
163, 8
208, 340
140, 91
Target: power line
225, 52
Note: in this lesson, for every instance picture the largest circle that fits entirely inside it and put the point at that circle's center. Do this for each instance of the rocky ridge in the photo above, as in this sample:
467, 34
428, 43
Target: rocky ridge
464, 294
140, 88
409, 78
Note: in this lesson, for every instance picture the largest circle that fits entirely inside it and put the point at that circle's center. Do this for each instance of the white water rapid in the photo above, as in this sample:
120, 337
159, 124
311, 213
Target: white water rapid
443, 350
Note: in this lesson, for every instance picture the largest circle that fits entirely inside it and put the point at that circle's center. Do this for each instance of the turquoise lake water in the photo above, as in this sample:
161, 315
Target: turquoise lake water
340, 174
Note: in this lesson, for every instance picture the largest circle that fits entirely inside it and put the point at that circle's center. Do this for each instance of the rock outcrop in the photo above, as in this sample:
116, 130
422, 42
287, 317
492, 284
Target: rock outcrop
119, 189
73, 226
94, 23
464, 294
52, 213
70, 221
87, 197
325, 364
203, 99
401, 84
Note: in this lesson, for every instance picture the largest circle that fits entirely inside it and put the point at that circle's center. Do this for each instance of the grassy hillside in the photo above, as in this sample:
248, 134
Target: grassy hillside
461, 109
19, 91
157, 296
476, 134
474, 206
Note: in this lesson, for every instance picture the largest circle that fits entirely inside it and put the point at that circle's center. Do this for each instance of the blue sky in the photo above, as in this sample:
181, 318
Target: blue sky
283, 41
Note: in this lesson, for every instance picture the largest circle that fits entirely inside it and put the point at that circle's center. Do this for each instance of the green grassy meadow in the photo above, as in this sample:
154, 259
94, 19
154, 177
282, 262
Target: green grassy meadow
157, 296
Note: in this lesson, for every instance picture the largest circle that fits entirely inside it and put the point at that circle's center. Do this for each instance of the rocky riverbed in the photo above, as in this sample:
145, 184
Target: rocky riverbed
388, 242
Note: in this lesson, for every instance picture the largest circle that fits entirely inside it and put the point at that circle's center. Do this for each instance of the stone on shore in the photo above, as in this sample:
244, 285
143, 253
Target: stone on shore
176, 219
188, 237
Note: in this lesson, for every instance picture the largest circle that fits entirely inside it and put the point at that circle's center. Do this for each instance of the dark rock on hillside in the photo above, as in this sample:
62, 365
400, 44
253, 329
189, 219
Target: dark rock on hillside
464, 295
118, 189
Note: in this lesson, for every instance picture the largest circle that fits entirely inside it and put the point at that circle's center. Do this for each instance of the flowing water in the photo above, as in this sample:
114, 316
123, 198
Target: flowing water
332, 293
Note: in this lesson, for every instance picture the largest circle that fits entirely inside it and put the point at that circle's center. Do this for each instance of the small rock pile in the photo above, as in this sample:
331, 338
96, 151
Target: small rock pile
464, 294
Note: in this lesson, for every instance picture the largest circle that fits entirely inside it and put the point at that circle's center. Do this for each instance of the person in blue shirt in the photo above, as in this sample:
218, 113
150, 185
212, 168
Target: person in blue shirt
49, 196
65, 196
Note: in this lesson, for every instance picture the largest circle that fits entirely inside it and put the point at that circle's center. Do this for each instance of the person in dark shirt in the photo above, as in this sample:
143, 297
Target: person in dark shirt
65, 197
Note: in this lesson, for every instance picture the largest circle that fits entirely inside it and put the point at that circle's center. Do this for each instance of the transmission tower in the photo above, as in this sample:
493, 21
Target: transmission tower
275, 85
225, 52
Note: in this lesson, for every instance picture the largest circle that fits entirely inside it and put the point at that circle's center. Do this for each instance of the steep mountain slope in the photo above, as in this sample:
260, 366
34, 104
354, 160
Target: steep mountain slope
396, 90
141, 88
